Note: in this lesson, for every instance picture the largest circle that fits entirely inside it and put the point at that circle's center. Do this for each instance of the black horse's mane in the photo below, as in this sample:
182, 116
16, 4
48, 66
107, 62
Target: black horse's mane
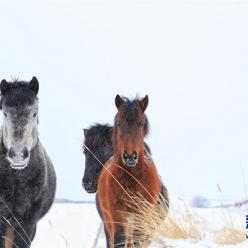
98, 135
130, 109
19, 94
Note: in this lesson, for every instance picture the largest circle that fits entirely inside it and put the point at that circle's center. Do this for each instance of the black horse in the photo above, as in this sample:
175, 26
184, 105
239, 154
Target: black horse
27, 176
98, 149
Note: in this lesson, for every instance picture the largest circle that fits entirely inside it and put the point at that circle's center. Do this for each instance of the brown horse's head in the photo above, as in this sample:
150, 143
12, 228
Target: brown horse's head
130, 128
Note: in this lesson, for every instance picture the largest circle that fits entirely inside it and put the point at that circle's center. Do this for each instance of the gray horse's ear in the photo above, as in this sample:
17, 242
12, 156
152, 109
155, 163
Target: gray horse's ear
34, 85
118, 101
144, 103
5, 87
85, 131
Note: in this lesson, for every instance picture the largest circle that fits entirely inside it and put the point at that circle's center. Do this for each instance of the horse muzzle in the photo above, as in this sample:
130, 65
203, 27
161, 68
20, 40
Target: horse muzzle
90, 186
18, 159
130, 160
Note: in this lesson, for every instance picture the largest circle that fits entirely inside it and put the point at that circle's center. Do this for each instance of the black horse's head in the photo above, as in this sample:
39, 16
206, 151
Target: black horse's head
97, 150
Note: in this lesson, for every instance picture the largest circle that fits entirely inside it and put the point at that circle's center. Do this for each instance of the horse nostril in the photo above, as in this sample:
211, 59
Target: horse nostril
11, 152
135, 155
25, 153
125, 155
91, 183
87, 183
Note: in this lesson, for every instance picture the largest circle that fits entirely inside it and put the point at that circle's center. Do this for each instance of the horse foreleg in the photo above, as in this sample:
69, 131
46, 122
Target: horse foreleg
140, 240
6, 234
9, 237
107, 236
24, 235
120, 238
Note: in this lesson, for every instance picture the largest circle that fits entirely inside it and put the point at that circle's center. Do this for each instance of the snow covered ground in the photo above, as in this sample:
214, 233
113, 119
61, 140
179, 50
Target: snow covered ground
68, 225
76, 225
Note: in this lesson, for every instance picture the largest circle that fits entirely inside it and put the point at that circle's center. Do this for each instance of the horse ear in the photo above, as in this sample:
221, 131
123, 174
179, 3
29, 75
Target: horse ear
5, 86
34, 85
144, 103
85, 131
118, 101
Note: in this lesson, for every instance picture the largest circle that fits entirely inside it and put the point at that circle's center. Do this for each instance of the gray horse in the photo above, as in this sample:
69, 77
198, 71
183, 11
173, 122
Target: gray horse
27, 176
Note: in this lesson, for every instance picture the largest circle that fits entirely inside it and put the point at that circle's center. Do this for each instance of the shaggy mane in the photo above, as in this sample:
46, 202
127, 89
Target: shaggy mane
20, 94
98, 135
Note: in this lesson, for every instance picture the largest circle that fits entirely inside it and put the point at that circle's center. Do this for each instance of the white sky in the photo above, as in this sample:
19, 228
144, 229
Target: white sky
191, 58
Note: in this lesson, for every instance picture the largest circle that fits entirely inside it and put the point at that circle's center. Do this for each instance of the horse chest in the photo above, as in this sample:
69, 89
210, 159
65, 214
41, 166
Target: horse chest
18, 191
131, 183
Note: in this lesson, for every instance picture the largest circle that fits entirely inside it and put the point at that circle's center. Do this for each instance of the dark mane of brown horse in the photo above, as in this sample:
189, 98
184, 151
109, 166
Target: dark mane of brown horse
130, 109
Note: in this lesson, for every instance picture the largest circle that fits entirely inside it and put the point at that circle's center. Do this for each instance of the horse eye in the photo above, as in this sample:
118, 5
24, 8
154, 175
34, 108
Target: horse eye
140, 124
34, 115
5, 114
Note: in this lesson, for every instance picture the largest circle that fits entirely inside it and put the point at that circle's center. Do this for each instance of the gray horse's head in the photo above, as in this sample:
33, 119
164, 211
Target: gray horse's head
19, 104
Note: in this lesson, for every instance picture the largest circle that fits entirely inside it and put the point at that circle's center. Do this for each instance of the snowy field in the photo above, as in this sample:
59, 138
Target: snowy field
68, 225
76, 225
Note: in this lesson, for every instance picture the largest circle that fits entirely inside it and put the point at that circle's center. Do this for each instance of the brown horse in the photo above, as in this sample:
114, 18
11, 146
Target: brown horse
130, 172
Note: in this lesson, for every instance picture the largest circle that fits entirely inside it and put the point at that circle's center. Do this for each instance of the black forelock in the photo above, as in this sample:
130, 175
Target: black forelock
18, 95
130, 110
98, 135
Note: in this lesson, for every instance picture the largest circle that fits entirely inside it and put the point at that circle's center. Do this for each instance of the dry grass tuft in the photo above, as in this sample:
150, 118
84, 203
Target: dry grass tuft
182, 222
232, 232
147, 219
230, 235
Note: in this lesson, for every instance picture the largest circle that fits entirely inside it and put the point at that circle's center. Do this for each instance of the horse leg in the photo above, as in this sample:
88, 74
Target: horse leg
140, 240
24, 235
119, 237
98, 207
28, 225
6, 235
163, 202
33, 232
164, 197
9, 238
107, 235
101, 216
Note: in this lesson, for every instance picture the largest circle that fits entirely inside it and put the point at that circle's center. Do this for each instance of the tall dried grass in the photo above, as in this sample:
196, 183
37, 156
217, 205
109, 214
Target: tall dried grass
232, 232
182, 222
